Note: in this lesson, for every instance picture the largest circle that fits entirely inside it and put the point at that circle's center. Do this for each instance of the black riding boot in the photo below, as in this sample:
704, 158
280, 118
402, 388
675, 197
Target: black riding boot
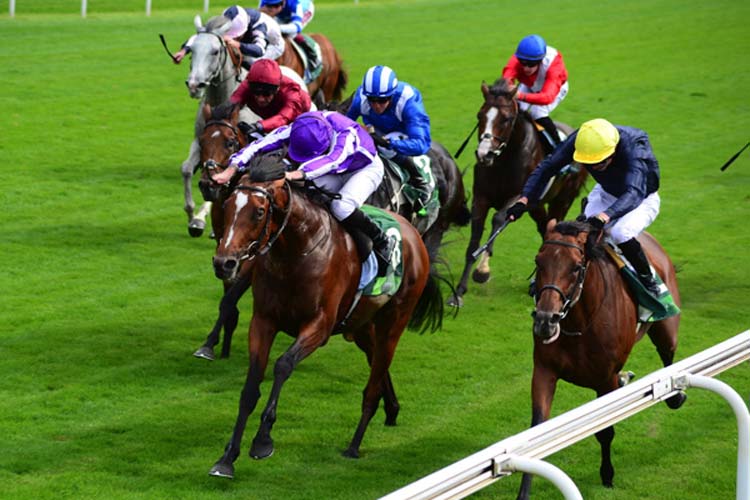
551, 129
415, 179
382, 245
635, 255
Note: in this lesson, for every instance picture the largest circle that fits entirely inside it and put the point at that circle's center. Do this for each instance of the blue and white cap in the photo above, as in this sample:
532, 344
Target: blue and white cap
379, 81
239, 18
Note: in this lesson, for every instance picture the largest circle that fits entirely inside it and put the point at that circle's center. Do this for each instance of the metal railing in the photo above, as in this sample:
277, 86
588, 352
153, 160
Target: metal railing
524, 451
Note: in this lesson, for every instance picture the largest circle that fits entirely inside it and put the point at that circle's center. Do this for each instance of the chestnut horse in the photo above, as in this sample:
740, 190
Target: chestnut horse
586, 323
305, 282
332, 79
509, 149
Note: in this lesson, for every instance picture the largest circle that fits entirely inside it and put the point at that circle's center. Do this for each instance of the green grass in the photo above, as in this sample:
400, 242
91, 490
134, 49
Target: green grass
104, 296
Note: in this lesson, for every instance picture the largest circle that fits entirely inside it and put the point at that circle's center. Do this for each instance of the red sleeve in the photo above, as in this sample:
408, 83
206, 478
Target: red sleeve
241, 95
512, 70
556, 76
295, 101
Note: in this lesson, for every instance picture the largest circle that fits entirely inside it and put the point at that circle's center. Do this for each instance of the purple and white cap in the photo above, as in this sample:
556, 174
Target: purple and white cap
310, 137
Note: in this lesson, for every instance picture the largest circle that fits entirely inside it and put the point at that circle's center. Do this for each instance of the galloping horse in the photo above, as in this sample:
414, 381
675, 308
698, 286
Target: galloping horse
329, 85
509, 150
215, 72
219, 140
305, 283
586, 323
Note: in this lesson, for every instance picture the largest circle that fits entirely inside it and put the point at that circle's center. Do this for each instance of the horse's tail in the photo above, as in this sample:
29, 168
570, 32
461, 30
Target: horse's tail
428, 313
341, 81
462, 216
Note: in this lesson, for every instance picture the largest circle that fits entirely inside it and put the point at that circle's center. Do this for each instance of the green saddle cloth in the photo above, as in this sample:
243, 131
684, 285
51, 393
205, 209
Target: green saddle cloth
391, 282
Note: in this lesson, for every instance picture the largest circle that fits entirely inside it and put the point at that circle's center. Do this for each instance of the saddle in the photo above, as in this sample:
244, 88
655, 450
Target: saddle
309, 51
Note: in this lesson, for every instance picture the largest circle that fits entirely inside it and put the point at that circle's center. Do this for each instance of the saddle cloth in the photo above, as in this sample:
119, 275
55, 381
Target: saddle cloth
370, 284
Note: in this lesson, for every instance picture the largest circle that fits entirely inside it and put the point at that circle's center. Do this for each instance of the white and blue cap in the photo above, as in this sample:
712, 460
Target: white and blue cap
239, 18
379, 81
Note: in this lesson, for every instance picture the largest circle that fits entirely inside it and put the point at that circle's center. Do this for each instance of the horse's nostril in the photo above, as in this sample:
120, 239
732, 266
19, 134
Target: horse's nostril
202, 85
229, 264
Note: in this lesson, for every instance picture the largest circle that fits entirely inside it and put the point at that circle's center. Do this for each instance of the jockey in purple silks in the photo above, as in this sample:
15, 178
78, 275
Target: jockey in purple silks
339, 156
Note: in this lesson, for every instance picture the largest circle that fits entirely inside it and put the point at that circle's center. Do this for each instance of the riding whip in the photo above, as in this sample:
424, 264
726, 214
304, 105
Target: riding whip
738, 153
461, 149
492, 237
169, 52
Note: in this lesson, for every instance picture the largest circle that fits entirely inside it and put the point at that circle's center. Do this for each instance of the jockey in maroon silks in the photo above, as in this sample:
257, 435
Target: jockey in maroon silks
275, 98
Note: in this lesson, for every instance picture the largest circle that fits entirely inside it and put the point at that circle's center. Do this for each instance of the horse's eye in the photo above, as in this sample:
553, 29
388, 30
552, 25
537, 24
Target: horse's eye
260, 212
215, 52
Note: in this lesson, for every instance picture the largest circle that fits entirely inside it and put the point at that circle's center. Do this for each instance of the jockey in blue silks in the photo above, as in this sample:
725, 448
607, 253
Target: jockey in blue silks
387, 105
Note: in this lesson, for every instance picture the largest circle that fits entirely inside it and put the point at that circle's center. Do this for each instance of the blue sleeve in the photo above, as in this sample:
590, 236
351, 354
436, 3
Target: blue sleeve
548, 168
354, 109
416, 125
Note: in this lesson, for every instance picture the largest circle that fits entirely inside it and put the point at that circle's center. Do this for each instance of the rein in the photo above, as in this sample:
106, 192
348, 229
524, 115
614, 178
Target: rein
569, 300
255, 248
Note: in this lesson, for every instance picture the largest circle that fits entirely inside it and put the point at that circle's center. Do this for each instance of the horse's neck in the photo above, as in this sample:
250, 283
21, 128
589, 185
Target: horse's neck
228, 81
309, 226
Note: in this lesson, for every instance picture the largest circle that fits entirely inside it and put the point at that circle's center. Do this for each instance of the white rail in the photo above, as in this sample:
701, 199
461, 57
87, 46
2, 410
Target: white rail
501, 459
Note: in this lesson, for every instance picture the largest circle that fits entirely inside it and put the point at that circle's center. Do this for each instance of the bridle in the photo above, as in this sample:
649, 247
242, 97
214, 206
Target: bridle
256, 247
569, 299
500, 143
233, 146
215, 78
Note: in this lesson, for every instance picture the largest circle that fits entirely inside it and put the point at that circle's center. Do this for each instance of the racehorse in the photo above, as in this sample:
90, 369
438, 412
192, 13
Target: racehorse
215, 72
218, 141
305, 283
509, 149
586, 323
332, 79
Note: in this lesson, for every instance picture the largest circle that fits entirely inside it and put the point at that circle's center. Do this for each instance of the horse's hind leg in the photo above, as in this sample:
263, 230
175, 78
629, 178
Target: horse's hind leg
187, 177
663, 335
390, 401
479, 209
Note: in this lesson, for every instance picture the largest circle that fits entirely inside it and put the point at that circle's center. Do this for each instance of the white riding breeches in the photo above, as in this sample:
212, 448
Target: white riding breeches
541, 110
629, 225
354, 187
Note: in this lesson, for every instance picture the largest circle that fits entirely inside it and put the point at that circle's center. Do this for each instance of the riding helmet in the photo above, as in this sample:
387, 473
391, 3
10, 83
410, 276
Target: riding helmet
239, 18
596, 141
265, 71
379, 81
531, 48
311, 136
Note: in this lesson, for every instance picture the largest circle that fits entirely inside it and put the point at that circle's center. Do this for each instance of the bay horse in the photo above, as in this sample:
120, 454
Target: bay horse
305, 283
331, 81
586, 323
509, 149
218, 141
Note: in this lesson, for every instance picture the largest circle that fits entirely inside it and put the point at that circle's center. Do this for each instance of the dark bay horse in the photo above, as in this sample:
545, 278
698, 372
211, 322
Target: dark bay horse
305, 283
218, 141
509, 149
329, 85
586, 323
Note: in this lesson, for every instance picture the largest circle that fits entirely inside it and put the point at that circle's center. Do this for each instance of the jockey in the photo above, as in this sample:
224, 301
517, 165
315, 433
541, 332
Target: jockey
625, 199
543, 80
293, 16
276, 98
339, 156
254, 34
388, 105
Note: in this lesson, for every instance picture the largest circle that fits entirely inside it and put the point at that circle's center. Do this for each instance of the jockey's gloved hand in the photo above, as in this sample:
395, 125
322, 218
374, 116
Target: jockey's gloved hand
596, 223
380, 140
516, 211
249, 128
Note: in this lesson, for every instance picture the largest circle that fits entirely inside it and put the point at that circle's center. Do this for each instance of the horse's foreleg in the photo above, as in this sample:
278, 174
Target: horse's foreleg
482, 273
605, 437
261, 338
187, 177
543, 384
478, 216
308, 340
198, 223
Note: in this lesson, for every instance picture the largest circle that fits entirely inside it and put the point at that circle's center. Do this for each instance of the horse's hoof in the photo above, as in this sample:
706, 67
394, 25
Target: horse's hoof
624, 378
261, 448
205, 353
350, 453
390, 421
455, 301
196, 227
677, 400
480, 277
222, 470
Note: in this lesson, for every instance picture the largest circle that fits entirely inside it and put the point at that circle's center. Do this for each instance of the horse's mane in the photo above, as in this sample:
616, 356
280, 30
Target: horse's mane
223, 111
501, 87
218, 24
265, 168
594, 248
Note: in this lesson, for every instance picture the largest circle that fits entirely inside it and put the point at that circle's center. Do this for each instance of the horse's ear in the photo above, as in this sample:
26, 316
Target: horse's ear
198, 22
206, 110
551, 224
235, 115
485, 88
513, 87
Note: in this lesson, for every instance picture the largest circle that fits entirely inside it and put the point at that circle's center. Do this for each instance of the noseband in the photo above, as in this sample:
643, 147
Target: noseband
256, 247
502, 142
570, 299
211, 165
